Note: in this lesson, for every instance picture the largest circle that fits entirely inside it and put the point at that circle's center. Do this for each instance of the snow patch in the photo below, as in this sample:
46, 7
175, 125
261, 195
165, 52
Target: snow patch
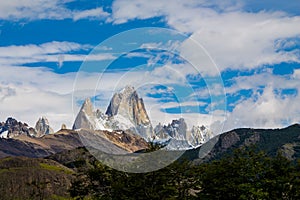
4, 134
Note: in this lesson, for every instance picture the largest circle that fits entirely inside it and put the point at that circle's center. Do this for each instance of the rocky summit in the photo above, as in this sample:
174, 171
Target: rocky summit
12, 128
85, 118
180, 137
126, 111
42, 127
127, 105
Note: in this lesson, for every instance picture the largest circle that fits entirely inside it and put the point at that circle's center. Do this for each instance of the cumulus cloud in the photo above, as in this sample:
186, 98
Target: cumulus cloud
267, 106
32, 93
227, 35
237, 40
266, 110
233, 38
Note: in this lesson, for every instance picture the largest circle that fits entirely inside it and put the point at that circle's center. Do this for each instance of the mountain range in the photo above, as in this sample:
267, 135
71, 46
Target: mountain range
126, 111
51, 176
125, 127
37, 163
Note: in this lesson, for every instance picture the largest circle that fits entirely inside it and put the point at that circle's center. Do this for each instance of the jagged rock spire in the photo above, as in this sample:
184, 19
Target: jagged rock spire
42, 127
83, 119
128, 104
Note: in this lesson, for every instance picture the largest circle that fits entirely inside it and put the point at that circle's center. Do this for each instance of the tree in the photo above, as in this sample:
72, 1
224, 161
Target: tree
247, 175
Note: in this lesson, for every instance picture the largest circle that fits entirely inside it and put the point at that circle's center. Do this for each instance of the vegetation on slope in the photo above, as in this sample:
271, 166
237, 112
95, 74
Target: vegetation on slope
31, 178
245, 174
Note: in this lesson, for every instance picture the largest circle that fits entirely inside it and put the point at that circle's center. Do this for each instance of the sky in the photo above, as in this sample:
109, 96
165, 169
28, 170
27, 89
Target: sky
224, 64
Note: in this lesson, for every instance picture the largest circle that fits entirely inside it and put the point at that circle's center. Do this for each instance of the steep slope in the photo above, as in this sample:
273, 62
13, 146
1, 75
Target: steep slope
272, 141
85, 118
126, 111
110, 142
115, 142
12, 128
24, 145
128, 104
31, 178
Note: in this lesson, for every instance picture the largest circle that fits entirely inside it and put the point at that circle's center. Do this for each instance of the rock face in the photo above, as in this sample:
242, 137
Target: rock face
42, 127
180, 136
127, 105
177, 130
12, 128
126, 111
175, 133
199, 135
85, 118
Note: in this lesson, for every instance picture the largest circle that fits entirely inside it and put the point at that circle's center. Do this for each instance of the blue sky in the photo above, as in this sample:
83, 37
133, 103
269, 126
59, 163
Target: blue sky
224, 64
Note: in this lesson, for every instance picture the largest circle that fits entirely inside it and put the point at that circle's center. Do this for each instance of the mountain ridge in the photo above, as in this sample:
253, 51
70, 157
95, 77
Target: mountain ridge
126, 111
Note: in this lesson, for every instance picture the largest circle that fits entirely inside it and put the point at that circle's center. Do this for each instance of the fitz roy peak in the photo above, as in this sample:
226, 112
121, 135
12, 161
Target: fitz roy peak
126, 111
127, 105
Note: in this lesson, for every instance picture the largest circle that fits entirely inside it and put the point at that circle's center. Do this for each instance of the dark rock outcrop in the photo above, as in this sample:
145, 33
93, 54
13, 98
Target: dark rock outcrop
12, 128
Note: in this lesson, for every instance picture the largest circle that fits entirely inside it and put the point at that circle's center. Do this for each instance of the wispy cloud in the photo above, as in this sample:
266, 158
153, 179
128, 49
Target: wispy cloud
46, 9
49, 52
234, 38
96, 13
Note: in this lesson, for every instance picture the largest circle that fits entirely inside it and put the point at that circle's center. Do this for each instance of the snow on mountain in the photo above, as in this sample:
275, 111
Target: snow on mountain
199, 135
85, 118
180, 137
129, 111
126, 111
4, 134
12, 128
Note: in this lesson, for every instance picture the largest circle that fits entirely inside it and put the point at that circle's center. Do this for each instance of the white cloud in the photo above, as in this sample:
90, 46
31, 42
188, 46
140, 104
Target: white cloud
256, 81
27, 104
35, 92
29, 93
125, 10
233, 38
182, 104
267, 107
48, 52
157, 115
45, 9
266, 110
46, 48
95, 13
